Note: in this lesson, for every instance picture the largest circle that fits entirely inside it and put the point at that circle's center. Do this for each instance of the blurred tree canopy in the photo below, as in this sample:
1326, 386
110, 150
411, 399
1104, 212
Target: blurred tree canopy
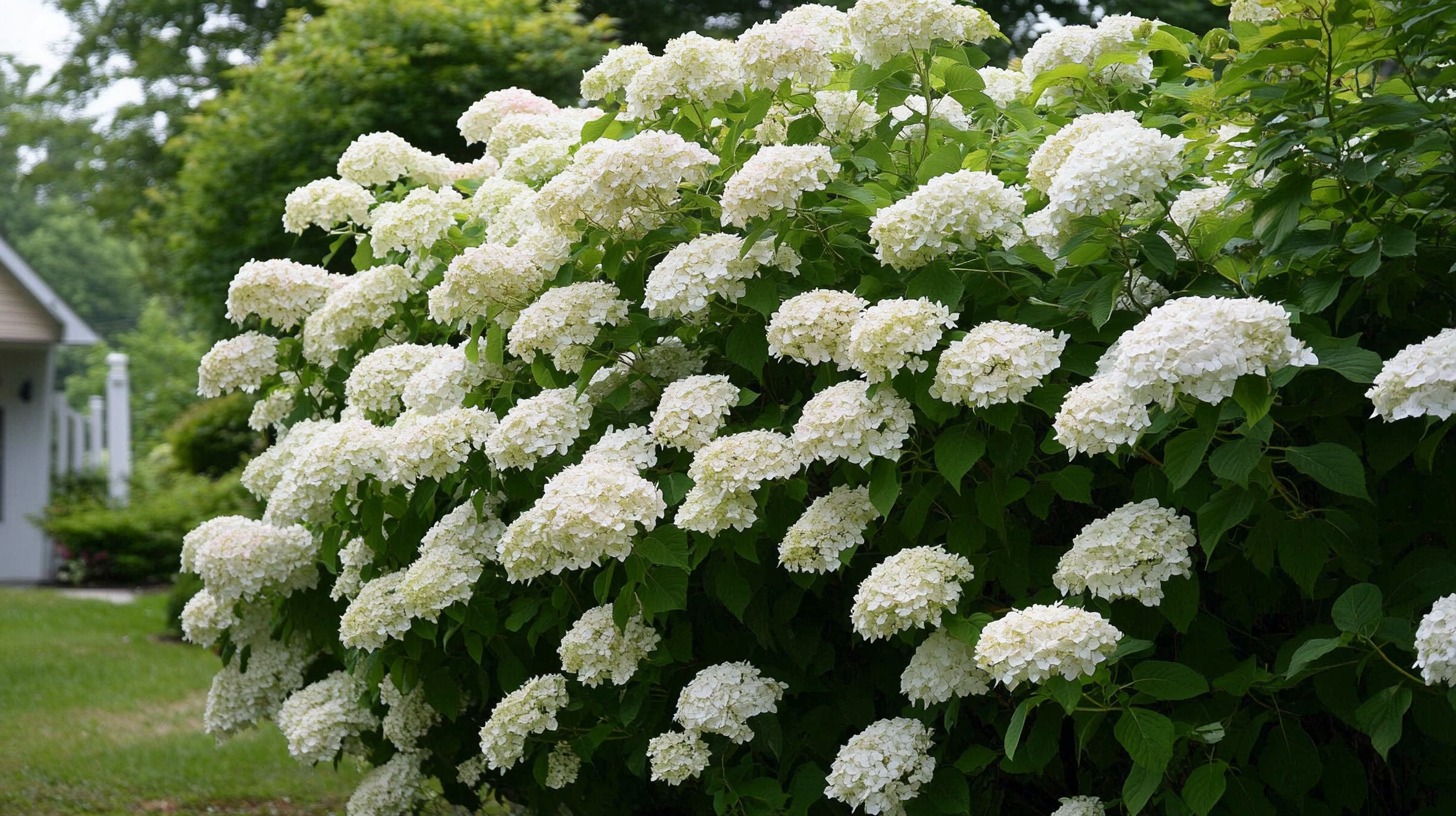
408, 66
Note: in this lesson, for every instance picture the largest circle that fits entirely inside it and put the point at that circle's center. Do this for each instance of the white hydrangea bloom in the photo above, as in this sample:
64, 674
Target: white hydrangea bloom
383, 158
1418, 381
530, 709
1085, 45
726, 471
713, 265
1100, 416
880, 30
318, 718
410, 716
539, 160
432, 446
495, 196
485, 276
1032, 644
1190, 205
1199, 346
415, 223
480, 169
909, 590
477, 122
814, 327
366, 301
830, 24
633, 446
390, 789
595, 650
264, 471
443, 382
379, 377
1436, 643
722, 698
693, 68
271, 410
326, 203
539, 426
945, 110
996, 362
890, 336
442, 576
844, 422
376, 615
677, 756
237, 699
774, 179
518, 129
465, 528
281, 292
1257, 12
333, 455
772, 52
1080, 806
1005, 86
353, 558
943, 667
832, 524
1108, 169
947, 214
238, 557
624, 184
562, 766
844, 114
713, 511
565, 321
204, 618
1042, 168
587, 512
614, 72
693, 410
237, 364
1128, 554
882, 767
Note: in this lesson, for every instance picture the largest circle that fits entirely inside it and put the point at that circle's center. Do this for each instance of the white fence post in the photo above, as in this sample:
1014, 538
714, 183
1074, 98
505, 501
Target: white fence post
63, 434
77, 430
95, 443
118, 428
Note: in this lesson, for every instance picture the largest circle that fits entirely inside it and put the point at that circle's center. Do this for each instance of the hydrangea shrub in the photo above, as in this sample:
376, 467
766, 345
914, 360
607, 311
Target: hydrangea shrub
829, 422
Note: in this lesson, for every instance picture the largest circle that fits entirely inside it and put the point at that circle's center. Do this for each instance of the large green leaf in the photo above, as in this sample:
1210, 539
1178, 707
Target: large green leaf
1332, 465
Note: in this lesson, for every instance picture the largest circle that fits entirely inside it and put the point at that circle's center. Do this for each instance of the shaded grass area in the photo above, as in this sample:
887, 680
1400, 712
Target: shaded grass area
99, 716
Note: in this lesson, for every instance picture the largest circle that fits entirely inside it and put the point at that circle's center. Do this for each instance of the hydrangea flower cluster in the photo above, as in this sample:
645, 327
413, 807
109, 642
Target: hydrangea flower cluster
722, 698
239, 363
774, 179
280, 292
1080, 806
845, 422
238, 557
240, 697
392, 788
1128, 554
943, 667
946, 214
814, 327
539, 426
384, 158
595, 650
565, 321
477, 122
882, 767
366, 301
677, 756
482, 277
562, 766
1418, 381
1436, 643
626, 184
726, 471
889, 336
380, 376
772, 52
693, 69
693, 410
530, 709
909, 590
319, 718
326, 203
415, 223
1029, 645
831, 524
1087, 45
409, 717
996, 362
708, 266
880, 30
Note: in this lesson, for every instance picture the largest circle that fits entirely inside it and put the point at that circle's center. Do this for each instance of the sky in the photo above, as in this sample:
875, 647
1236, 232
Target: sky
37, 33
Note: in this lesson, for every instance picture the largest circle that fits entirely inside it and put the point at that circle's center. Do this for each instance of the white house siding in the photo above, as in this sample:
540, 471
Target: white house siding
25, 459
22, 318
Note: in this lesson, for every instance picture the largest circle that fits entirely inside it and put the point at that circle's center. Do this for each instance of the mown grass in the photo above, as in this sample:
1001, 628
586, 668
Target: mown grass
99, 716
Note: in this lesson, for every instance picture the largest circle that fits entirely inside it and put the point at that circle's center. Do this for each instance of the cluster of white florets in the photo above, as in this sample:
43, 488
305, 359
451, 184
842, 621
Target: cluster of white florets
726, 471
909, 590
565, 321
562, 766
443, 382
538, 160
517, 130
1032, 644
415, 223
943, 667
596, 650
432, 446
1080, 806
1087, 45
633, 446
545, 424
205, 618
845, 422
588, 512
772, 52
481, 118
677, 756
380, 376
239, 363
329, 456
326, 203
722, 698
1436, 643
354, 556
831, 524
880, 30
1257, 12
845, 115
882, 767
1099, 416
485, 276
390, 789
238, 557
615, 70
891, 335
627, 184
946, 214
367, 300
1192, 205
1418, 381
996, 362
280, 292
693, 410
693, 69
319, 718
1128, 554
814, 327
1108, 169
709, 266
445, 572
1005, 86
376, 615
270, 411
530, 709
383, 158
409, 717
774, 180
914, 114
240, 697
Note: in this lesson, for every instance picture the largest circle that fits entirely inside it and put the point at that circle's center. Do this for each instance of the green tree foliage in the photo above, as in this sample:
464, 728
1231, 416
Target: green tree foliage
362, 66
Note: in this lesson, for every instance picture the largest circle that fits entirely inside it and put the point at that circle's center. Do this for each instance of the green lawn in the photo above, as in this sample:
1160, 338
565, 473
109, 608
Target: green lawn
99, 716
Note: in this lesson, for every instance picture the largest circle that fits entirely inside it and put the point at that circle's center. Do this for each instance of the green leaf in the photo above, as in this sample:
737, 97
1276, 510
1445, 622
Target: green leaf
1168, 681
1253, 394
1139, 787
966, 630
943, 160
748, 346
1332, 465
937, 283
1383, 717
1303, 550
956, 451
1310, 651
1236, 460
667, 546
1016, 726
885, 486
730, 587
1398, 242
1066, 692
1226, 510
596, 128
1147, 736
663, 590
1180, 601
1074, 483
804, 130
1157, 253
1205, 786
1183, 454
1354, 364
1359, 610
